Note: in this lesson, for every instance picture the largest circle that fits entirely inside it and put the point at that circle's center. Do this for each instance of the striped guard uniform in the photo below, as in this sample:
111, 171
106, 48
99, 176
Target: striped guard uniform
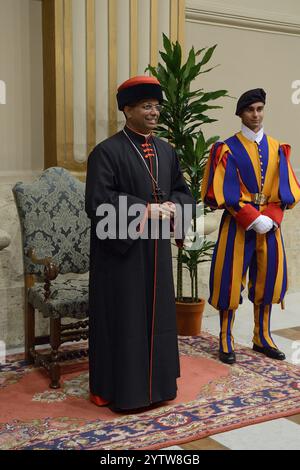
238, 170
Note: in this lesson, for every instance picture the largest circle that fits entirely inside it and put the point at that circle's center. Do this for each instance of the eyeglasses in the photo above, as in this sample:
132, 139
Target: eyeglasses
149, 107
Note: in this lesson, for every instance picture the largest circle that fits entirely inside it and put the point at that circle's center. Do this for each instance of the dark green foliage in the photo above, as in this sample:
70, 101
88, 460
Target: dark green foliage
183, 114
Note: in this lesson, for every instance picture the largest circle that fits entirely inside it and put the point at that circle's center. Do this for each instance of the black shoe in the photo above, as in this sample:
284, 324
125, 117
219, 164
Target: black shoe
227, 358
273, 353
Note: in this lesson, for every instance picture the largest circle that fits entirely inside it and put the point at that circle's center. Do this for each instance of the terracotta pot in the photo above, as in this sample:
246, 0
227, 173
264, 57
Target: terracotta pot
189, 317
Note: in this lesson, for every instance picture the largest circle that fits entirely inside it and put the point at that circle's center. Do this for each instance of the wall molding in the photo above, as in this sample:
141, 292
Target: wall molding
231, 19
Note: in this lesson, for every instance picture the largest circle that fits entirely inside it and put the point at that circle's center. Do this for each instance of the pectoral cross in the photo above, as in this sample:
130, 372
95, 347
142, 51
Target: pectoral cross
158, 194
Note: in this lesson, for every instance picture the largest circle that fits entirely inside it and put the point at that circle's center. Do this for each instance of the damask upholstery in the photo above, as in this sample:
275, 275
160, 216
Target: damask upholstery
68, 298
53, 221
56, 236
54, 224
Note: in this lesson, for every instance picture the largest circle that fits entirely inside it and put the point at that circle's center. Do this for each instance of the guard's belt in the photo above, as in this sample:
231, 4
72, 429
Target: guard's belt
259, 198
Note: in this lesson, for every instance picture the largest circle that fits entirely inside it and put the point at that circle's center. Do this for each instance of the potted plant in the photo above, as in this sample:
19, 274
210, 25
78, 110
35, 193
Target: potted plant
183, 113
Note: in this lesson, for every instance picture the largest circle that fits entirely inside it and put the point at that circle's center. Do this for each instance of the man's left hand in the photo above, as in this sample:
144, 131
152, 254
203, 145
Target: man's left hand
168, 209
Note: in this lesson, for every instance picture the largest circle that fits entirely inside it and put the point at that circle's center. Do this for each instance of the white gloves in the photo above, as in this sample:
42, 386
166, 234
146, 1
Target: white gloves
262, 224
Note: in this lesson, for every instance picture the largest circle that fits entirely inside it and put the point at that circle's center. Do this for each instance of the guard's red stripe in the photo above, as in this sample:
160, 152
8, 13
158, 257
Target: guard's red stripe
247, 215
275, 212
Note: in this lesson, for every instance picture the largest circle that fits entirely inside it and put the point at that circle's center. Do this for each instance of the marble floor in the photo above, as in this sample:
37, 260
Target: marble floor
278, 434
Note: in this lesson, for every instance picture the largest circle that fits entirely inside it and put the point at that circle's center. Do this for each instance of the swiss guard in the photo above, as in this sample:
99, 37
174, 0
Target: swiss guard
250, 176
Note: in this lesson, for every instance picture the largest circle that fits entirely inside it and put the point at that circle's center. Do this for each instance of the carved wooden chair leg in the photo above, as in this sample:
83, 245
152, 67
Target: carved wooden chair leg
29, 333
54, 369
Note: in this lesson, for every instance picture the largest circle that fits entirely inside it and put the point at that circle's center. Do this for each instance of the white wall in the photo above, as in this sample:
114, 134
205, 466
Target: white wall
251, 53
21, 145
21, 118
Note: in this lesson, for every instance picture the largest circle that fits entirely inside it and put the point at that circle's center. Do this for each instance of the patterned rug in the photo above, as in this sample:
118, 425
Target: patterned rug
212, 398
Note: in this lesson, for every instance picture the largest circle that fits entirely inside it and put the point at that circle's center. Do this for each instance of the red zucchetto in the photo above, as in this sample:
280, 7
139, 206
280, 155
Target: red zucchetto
138, 88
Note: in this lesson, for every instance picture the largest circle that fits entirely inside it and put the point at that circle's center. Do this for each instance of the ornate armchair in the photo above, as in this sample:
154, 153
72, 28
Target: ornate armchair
55, 233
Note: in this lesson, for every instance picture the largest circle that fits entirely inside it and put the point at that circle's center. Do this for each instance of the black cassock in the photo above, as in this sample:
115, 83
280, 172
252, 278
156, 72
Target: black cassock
133, 348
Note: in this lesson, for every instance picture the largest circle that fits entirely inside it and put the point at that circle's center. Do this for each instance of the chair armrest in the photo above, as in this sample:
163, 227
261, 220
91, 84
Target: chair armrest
51, 270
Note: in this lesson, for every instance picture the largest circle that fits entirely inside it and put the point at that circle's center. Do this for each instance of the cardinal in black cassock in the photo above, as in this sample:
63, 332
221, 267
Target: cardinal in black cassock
133, 348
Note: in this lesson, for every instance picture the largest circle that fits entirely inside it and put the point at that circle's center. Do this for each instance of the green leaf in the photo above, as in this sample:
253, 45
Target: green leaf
185, 70
213, 95
201, 144
200, 51
168, 61
208, 70
162, 75
207, 55
177, 57
167, 45
172, 87
152, 70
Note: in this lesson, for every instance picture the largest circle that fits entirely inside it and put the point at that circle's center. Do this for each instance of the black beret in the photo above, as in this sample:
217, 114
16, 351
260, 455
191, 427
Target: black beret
250, 97
138, 88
